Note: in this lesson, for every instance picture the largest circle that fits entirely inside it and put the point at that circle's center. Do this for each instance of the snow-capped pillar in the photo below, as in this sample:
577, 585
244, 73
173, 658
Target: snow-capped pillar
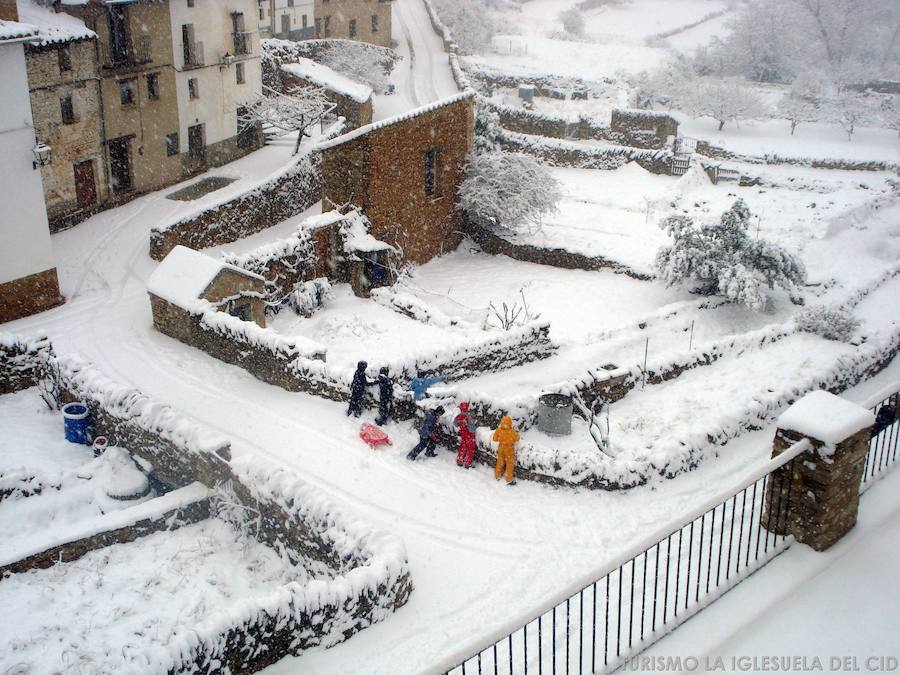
816, 496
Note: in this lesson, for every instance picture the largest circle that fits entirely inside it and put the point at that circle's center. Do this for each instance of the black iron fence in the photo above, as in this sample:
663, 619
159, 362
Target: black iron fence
650, 589
883, 446
600, 622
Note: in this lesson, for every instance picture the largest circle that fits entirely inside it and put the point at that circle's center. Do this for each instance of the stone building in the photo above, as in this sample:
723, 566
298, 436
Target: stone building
643, 127
186, 276
217, 72
362, 20
137, 79
28, 280
403, 173
287, 19
65, 103
352, 100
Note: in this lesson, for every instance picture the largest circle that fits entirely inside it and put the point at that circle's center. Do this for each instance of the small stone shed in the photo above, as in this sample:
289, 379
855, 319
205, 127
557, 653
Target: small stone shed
638, 123
404, 173
186, 276
353, 99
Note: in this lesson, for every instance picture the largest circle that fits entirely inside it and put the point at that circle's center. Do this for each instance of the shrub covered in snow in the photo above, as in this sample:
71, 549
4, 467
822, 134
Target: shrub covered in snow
722, 258
508, 189
359, 60
831, 323
471, 22
308, 296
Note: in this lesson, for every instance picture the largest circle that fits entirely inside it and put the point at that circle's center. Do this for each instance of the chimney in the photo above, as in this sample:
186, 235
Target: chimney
8, 10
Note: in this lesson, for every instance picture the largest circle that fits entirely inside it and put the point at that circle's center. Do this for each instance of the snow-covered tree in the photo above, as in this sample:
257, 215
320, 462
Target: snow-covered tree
487, 130
572, 21
724, 101
723, 259
357, 65
797, 110
664, 87
830, 323
508, 189
850, 111
295, 111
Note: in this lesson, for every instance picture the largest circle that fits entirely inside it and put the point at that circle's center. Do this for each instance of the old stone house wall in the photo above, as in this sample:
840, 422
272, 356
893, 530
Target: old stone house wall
337, 18
75, 142
383, 171
229, 284
142, 125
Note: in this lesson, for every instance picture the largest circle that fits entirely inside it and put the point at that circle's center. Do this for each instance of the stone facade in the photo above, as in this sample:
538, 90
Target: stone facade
231, 288
139, 103
404, 174
362, 20
67, 115
639, 126
29, 295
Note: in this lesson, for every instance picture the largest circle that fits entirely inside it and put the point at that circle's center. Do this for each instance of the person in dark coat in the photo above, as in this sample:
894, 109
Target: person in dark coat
358, 390
427, 434
385, 397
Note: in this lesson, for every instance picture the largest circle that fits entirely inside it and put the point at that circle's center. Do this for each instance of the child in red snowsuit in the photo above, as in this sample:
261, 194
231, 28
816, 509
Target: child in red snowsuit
466, 424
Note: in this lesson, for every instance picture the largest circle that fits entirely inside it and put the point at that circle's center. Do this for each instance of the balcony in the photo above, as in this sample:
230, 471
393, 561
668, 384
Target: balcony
128, 53
193, 55
243, 43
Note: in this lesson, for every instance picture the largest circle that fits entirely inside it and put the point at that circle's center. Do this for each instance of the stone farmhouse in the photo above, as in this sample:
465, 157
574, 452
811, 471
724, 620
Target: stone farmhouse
403, 173
28, 280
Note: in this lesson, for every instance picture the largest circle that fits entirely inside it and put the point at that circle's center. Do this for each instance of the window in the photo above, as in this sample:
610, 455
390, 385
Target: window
65, 58
127, 92
326, 25
197, 142
318, 28
68, 111
240, 310
374, 23
153, 86
352, 28
190, 3
171, 144
305, 21
262, 14
239, 73
290, 3
193, 88
431, 167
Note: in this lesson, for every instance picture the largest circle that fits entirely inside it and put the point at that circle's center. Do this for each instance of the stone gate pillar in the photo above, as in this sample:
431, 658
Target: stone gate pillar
816, 497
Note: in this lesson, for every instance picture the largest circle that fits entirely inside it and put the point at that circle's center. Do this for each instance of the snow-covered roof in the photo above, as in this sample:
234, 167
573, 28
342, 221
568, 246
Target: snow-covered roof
184, 274
53, 27
13, 31
826, 417
369, 128
324, 76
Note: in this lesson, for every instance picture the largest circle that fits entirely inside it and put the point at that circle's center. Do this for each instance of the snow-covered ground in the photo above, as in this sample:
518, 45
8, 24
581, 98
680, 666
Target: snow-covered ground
479, 551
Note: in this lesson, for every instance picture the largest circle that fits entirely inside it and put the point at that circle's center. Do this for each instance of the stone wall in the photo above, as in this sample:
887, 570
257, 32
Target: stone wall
20, 361
230, 285
381, 169
29, 295
490, 242
283, 196
643, 128
566, 153
74, 550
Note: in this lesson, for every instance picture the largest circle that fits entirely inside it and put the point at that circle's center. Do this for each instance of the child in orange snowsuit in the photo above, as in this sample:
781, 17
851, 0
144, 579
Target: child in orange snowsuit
507, 437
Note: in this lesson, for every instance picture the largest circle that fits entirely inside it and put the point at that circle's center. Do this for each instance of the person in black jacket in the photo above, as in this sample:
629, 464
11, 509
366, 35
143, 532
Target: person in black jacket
358, 390
385, 397
427, 434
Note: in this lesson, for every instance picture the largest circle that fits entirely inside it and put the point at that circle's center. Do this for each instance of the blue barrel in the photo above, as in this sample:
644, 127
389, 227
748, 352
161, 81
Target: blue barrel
77, 419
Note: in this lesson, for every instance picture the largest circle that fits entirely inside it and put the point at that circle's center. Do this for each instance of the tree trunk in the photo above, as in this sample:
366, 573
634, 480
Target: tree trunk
721, 124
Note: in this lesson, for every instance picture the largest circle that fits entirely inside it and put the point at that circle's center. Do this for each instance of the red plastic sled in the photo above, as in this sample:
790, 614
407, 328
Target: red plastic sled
373, 436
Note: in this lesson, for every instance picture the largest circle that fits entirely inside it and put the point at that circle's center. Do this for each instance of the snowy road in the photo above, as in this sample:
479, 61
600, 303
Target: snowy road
423, 75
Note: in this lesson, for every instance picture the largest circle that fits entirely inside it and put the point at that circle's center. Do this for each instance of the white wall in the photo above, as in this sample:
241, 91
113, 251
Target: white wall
220, 95
25, 236
296, 13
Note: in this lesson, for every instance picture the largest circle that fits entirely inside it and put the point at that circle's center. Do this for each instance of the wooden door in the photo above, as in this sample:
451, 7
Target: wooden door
120, 164
85, 185
286, 25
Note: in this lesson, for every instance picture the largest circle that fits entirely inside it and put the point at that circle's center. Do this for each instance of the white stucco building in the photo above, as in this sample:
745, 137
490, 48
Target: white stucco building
217, 69
28, 281
287, 19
